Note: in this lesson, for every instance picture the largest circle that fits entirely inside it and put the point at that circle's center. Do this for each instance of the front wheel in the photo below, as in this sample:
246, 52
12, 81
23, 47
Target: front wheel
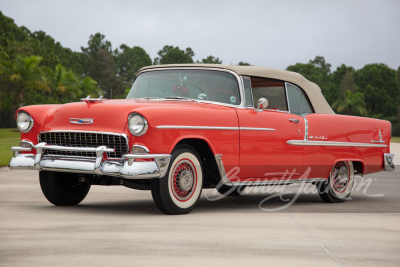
340, 183
63, 189
179, 190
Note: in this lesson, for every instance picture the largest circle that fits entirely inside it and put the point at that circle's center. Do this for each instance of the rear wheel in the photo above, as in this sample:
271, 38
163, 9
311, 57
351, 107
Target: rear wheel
179, 190
63, 189
339, 185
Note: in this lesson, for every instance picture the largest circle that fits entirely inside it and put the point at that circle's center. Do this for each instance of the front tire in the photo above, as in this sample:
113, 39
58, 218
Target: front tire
339, 185
63, 189
179, 190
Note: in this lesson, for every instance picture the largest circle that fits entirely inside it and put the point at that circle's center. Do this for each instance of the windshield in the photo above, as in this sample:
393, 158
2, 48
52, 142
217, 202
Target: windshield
207, 85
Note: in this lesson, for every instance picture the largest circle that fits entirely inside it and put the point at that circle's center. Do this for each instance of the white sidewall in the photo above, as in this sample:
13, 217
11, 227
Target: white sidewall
190, 202
345, 193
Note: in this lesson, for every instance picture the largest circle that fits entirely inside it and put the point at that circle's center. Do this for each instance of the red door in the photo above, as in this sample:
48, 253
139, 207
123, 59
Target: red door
264, 152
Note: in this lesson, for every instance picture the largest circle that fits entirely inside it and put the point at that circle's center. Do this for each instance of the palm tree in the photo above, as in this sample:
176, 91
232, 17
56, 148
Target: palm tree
24, 74
353, 104
63, 83
88, 87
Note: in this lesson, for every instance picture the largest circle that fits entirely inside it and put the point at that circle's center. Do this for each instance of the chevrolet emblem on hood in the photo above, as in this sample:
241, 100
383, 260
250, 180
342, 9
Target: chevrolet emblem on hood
81, 121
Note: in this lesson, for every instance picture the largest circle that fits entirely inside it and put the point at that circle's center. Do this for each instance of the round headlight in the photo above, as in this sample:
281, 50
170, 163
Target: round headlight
24, 122
137, 124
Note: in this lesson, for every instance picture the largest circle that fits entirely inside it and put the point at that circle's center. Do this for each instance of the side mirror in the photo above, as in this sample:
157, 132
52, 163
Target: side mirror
262, 103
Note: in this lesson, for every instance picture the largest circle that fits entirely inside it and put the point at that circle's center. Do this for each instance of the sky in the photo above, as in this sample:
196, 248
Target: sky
266, 33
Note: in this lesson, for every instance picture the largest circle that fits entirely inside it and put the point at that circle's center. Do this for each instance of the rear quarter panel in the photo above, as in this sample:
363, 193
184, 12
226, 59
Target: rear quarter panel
341, 128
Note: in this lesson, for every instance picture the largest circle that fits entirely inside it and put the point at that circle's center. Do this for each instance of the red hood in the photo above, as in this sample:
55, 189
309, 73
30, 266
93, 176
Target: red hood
108, 116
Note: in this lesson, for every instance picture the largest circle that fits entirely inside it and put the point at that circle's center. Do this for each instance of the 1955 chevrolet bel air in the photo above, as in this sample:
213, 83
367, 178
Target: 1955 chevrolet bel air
183, 128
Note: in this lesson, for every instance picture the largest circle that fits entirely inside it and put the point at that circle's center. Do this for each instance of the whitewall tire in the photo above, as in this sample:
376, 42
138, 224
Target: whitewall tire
179, 190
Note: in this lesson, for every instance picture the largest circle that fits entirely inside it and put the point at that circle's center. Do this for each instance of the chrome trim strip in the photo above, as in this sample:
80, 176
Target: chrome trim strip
306, 128
278, 182
388, 162
79, 131
221, 169
238, 80
287, 97
331, 143
195, 127
380, 138
256, 129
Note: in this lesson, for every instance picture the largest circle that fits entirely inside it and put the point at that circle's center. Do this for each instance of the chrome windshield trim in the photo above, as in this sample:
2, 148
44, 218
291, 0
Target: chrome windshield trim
238, 80
331, 143
256, 129
278, 182
196, 127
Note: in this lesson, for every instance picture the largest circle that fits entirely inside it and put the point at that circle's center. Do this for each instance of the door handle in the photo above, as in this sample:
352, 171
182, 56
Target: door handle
294, 120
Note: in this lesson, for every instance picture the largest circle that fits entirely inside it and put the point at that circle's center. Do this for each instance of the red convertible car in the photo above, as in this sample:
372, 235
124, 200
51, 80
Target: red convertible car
183, 128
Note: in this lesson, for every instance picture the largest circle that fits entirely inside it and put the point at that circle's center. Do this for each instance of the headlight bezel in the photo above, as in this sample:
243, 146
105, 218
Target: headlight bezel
139, 118
29, 119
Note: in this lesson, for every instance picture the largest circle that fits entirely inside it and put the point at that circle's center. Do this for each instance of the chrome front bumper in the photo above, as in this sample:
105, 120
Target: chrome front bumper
388, 162
127, 167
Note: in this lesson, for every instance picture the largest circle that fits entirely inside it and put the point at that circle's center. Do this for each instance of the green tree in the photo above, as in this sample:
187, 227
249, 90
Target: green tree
129, 61
173, 55
379, 85
243, 64
24, 73
64, 84
100, 65
210, 60
88, 87
353, 104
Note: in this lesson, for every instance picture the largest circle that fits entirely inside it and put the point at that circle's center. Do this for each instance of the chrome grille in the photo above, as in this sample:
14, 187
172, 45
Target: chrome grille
83, 139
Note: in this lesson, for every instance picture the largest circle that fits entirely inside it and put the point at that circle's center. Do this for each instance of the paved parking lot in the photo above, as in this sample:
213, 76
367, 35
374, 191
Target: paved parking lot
122, 227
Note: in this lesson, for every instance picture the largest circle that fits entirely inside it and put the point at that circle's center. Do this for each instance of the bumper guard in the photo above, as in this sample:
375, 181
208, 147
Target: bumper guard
127, 167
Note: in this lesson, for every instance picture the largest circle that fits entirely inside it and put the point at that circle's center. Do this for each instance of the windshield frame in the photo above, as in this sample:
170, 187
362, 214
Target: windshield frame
237, 77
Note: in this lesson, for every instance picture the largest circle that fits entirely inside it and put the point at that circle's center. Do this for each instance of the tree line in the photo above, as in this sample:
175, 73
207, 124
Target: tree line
35, 69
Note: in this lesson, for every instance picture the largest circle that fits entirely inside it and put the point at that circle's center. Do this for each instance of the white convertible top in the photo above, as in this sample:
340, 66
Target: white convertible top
311, 89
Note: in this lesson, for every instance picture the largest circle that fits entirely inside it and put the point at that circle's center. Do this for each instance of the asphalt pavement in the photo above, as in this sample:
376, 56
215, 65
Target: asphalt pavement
281, 226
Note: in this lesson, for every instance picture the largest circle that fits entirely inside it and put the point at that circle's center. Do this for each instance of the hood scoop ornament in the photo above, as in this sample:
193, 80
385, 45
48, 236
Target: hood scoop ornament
88, 99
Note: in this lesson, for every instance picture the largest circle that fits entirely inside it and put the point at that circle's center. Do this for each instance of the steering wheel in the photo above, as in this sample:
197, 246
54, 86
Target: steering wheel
223, 96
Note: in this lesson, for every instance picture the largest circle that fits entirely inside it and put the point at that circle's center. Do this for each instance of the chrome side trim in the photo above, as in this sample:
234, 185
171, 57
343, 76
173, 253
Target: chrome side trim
388, 162
331, 143
278, 182
196, 127
380, 138
256, 129
221, 169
